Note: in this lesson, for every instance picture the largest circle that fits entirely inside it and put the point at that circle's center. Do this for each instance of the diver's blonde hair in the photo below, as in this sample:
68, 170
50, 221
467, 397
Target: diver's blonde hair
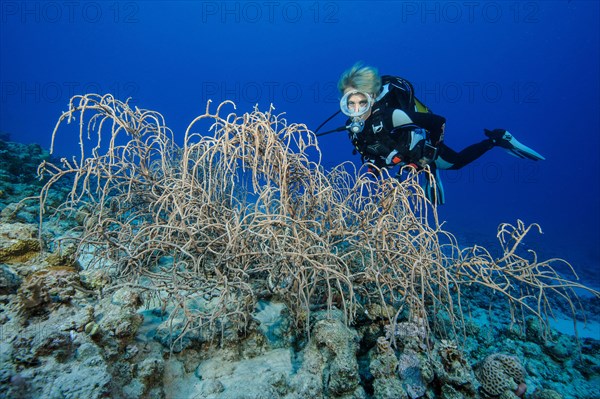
362, 78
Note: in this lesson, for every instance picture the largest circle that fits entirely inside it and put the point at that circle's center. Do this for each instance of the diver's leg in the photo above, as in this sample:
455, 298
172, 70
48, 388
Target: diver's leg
450, 159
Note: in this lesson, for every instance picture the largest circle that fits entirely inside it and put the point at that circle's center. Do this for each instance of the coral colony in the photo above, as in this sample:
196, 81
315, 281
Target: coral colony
235, 266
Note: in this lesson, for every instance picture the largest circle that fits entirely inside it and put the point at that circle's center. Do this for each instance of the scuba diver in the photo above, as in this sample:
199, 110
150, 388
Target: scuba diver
389, 126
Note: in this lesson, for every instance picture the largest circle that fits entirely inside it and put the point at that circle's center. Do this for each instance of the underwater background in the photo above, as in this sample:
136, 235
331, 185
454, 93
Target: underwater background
529, 66
84, 321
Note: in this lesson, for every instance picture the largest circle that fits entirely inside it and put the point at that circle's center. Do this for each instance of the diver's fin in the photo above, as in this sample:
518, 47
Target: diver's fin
504, 139
433, 187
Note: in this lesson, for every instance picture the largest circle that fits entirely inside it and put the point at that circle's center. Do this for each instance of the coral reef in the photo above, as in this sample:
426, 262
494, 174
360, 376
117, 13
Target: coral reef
453, 372
18, 242
244, 214
383, 366
9, 280
546, 394
501, 375
330, 359
47, 286
18, 180
235, 267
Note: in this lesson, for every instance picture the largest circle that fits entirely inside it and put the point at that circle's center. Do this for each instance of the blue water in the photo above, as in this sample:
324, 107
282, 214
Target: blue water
530, 67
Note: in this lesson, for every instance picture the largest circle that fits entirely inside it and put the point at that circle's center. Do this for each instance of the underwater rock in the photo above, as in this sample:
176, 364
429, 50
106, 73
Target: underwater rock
408, 335
9, 280
64, 257
18, 242
53, 285
170, 334
18, 169
22, 353
19, 180
58, 344
534, 330
589, 362
409, 371
17, 386
21, 212
546, 394
21, 160
384, 356
127, 298
453, 371
119, 316
337, 345
55, 348
376, 311
274, 322
151, 370
383, 365
221, 376
561, 350
95, 279
328, 366
20, 251
147, 382
86, 351
91, 380
212, 387
174, 331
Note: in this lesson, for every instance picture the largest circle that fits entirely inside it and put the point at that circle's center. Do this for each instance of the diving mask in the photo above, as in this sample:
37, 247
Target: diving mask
356, 103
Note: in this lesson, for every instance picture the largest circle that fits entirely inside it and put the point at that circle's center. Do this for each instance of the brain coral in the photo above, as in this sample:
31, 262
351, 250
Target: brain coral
499, 373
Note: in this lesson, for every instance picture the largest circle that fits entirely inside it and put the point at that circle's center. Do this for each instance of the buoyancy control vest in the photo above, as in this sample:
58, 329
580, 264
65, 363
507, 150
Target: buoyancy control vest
382, 144
397, 92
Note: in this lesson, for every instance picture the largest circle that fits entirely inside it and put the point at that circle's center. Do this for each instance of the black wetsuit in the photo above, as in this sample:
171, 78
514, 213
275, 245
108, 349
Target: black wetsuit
450, 159
396, 132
